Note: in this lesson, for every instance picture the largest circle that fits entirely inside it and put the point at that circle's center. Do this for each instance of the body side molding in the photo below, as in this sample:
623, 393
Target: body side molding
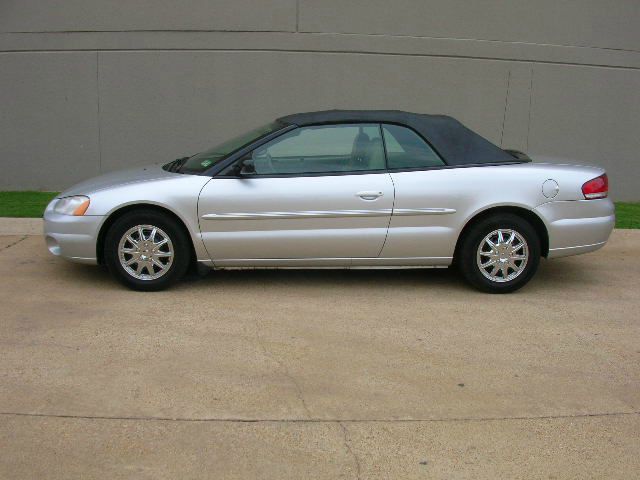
423, 211
328, 214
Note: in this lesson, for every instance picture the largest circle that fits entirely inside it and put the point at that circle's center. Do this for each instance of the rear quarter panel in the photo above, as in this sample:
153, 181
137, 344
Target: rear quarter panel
468, 192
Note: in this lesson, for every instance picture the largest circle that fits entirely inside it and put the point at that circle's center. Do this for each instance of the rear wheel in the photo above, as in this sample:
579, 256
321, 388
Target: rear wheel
499, 254
146, 250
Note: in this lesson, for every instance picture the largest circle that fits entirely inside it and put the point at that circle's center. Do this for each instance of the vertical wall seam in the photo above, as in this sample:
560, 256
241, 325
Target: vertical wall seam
506, 102
530, 104
98, 111
297, 16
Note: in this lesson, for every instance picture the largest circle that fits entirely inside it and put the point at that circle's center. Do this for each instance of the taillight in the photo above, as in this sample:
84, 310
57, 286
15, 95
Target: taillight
596, 188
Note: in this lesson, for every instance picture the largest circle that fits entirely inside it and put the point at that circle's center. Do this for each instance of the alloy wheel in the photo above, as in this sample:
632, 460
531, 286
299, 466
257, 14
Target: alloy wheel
502, 255
145, 252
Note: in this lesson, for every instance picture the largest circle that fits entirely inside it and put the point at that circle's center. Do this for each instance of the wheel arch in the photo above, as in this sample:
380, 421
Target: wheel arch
536, 222
119, 212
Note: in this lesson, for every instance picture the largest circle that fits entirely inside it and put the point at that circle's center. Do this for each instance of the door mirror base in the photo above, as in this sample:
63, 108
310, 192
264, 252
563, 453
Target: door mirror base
243, 168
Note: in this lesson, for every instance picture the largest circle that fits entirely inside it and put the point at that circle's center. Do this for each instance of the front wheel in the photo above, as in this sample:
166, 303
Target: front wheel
499, 254
146, 250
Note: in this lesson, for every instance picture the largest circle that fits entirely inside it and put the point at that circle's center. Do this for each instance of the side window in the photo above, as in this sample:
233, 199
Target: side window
324, 148
406, 149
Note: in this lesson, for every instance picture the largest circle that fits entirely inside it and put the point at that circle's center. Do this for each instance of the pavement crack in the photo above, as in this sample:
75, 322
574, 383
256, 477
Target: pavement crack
38, 344
284, 370
316, 420
14, 243
347, 444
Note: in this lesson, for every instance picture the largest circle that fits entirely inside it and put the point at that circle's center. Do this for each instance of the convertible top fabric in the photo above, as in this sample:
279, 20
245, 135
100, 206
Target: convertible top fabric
453, 141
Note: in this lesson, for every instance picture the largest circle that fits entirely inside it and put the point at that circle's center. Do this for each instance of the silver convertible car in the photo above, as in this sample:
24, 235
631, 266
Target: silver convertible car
355, 189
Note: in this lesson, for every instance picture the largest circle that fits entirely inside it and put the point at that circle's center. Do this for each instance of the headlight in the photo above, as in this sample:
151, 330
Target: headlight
72, 205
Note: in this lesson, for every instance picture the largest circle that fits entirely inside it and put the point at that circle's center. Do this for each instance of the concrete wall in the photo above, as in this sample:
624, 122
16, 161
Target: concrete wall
88, 86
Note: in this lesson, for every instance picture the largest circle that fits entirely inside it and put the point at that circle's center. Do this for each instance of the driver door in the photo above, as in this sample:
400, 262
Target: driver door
316, 195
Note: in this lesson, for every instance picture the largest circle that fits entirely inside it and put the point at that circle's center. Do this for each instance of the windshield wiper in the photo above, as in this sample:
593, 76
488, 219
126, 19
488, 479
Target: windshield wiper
175, 165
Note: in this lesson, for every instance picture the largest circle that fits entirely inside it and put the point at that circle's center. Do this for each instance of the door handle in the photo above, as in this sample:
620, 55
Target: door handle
369, 195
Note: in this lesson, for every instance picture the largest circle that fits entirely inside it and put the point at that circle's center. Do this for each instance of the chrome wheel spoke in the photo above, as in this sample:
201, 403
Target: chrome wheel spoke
156, 246
505, 270
489, 263
158, 264
518, 247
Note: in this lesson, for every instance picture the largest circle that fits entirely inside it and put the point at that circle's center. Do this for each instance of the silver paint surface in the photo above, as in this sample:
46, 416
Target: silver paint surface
326, 221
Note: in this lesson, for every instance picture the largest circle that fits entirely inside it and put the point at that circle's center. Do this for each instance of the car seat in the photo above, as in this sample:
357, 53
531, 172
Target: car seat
360, 152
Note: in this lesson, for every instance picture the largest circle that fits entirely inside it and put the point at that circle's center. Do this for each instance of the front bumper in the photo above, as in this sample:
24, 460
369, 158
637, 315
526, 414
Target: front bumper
73, 238
578, 226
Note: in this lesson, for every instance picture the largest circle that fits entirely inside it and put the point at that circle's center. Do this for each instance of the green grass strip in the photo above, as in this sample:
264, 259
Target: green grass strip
24, 204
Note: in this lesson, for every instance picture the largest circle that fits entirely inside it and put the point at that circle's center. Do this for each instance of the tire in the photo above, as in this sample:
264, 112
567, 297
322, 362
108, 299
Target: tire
151, 263
521, 257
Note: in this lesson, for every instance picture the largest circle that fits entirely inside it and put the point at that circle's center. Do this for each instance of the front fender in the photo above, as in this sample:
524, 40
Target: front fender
178, 195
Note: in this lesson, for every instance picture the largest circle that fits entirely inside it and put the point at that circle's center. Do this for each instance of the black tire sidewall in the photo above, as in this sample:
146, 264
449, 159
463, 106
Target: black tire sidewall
179, 239
471, 241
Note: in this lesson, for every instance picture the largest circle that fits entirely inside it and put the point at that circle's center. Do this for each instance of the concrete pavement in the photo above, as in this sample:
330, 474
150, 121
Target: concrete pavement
20, 226
320, 374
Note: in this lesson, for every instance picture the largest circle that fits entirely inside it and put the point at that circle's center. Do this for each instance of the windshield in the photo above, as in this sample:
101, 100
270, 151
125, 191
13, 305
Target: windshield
204, 160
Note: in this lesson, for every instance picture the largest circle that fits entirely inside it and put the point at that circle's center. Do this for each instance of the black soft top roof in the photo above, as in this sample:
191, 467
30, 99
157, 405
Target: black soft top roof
454, 142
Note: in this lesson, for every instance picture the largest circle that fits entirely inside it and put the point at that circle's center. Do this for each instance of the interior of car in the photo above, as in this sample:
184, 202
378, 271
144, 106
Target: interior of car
342, 148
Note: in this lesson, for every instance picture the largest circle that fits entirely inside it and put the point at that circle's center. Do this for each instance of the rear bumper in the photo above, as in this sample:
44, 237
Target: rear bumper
577, 227
73, 238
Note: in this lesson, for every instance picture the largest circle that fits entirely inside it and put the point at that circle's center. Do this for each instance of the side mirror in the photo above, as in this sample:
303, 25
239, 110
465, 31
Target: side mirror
244, 167
247, 167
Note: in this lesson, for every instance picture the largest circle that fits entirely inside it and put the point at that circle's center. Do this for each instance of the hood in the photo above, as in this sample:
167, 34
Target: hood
120, 177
